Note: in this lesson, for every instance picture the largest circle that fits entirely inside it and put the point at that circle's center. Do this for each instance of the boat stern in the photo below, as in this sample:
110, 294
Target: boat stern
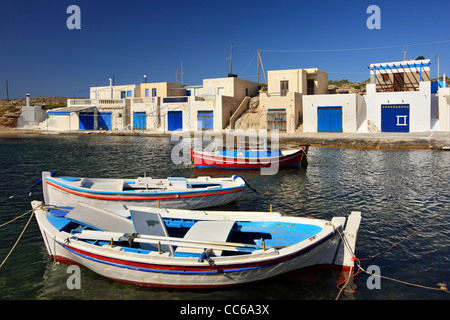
347, 245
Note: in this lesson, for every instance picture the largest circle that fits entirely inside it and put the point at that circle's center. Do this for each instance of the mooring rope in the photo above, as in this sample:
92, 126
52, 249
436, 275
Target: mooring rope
249, 186
442, 286
20, 236
18, 217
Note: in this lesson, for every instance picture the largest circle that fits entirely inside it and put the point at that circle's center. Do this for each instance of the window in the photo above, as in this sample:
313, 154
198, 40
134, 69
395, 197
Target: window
154, 92
128, 94
284, 87
123, 94
310, 86
146, 93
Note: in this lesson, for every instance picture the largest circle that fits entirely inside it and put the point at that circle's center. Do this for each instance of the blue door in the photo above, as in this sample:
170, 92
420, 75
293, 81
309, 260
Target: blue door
329, 119
205, 120
104, 120
86, 120
174, 120
395, 117
139, 120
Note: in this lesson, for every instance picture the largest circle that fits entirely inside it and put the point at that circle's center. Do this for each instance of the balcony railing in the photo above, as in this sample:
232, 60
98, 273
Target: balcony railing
175, 99
79, 102
93, 102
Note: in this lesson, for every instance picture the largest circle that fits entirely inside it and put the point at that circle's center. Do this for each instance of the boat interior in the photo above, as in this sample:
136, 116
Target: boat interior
185, 237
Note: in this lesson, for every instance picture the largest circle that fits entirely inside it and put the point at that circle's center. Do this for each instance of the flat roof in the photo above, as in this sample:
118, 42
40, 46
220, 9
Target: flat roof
69, 109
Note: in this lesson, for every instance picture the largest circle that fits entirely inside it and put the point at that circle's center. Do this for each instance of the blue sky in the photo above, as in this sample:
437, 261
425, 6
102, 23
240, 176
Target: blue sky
41, 56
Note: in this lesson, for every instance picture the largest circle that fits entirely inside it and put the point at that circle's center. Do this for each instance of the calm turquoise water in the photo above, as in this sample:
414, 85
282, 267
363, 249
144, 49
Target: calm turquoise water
397, 191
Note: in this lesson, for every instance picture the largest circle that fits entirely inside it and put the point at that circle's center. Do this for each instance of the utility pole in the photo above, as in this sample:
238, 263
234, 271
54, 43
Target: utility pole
181, 73
437, 56
7, 92
258, 66
260, 61
231, 59
176, 75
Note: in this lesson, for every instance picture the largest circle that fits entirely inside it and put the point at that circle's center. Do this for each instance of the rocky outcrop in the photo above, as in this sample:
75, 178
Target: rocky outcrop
250, 118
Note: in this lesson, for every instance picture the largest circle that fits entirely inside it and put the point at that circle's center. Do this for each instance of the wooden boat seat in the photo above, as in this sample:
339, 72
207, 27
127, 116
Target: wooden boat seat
150, 223
214, 231
100, 218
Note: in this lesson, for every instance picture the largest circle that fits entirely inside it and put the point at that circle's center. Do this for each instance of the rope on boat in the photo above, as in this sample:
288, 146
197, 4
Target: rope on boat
249, 186
30, 190
441, 286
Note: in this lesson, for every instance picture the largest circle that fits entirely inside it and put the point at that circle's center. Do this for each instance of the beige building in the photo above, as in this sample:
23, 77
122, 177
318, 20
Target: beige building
206, 107
281, 105
146, 107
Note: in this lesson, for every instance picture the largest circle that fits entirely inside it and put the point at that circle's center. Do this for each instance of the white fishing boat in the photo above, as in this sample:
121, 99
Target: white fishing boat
193, 249
177, 193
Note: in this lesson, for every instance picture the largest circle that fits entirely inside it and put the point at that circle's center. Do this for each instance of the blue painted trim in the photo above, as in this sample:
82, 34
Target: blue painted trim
184, 272
141, 193
401, 65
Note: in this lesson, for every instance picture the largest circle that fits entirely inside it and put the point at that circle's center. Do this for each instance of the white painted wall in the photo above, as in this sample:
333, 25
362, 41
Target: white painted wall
444, 108
419, 105
352, 110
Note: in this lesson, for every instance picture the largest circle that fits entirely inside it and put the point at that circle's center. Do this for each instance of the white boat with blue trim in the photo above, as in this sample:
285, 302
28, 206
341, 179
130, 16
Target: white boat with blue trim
177, 193
193, 249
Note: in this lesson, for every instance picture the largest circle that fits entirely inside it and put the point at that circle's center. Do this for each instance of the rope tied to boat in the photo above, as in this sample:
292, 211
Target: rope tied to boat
247, 184
440, 286
29, 190
21, 234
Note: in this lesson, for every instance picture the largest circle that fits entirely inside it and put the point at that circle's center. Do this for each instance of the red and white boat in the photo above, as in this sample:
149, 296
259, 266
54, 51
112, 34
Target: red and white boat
193, 249
176, 193
251, 159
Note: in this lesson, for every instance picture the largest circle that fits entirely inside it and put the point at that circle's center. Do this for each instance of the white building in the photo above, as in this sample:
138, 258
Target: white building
399, 97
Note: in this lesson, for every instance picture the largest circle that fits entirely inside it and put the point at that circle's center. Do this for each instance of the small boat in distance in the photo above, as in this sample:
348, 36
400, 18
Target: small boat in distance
193, 249
177, 193
251, 159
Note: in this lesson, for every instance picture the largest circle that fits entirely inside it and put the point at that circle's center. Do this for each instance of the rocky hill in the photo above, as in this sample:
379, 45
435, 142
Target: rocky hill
11, 110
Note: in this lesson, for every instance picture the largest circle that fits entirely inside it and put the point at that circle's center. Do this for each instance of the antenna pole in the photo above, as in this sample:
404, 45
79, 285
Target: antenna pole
181, 73
258, 65
231, 59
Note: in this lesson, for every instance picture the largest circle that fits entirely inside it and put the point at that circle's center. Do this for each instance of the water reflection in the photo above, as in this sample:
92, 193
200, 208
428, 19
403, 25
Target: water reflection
396, 190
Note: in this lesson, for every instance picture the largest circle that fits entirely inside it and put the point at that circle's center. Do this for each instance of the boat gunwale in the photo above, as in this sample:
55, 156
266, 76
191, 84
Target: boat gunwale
247, 160
211, 191
237, 261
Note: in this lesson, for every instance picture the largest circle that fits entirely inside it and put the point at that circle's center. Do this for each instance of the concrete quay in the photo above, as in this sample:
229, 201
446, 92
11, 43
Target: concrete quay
438, 140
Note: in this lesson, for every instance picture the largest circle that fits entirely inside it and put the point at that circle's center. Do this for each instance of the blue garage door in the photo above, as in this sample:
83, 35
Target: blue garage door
104, 120
329, 119
175, 120
86, 120
395, 117
139, 120
205, 120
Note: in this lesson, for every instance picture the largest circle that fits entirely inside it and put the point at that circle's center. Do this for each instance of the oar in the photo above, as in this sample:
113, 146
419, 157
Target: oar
192, 243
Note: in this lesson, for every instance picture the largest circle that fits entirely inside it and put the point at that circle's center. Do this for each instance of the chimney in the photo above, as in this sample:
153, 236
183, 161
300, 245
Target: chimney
27, 100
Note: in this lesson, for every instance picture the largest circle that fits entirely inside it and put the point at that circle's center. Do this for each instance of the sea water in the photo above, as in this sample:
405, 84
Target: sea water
397, 191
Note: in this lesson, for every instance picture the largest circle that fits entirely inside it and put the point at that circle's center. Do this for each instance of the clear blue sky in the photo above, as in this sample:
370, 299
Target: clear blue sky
40, 56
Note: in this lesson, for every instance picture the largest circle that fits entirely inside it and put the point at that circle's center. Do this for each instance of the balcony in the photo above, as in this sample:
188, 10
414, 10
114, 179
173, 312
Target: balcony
175, 99
105, 103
